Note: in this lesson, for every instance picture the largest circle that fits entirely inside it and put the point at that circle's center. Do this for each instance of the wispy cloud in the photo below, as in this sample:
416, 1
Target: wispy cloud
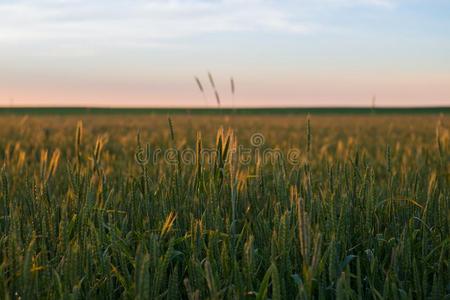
138, 21
156, 23
384, 3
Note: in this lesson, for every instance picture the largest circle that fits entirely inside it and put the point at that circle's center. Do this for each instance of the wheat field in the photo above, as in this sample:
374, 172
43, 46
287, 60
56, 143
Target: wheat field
351, 207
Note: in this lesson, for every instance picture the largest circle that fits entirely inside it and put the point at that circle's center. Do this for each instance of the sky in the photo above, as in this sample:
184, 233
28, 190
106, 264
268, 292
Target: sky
298, 53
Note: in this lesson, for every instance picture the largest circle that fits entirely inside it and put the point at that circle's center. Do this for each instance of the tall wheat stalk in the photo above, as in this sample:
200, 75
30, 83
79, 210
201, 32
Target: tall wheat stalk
213, 86
202, 90
233, 89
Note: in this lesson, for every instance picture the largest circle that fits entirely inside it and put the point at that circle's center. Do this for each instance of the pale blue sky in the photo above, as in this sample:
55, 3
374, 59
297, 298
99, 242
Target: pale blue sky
281, 53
